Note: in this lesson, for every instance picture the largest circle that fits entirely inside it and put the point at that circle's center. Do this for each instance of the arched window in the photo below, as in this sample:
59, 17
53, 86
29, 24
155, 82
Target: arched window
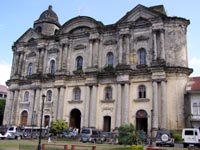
109, 59
52, 67
26, 96
77, 93
142, 56
79, 63
49, 95
195, 109
108, 93
29, 70
24, 117
141, 91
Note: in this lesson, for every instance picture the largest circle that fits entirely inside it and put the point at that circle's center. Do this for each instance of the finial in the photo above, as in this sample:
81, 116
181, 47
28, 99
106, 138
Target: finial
50, 7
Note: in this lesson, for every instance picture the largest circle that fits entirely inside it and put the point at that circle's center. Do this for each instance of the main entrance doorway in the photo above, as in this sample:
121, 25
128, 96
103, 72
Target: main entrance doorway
75, 119
141, 120
106, 123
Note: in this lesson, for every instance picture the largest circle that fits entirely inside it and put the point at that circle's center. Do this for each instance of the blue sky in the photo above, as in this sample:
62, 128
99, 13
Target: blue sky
18, 15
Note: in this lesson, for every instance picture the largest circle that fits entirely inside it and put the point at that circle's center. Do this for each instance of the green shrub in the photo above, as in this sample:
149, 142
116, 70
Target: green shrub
126, 134
177, 135
137, 147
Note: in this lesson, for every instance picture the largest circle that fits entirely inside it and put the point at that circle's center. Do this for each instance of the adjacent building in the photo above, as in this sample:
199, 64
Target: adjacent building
192, 103
3, 95
94, 75
3, 92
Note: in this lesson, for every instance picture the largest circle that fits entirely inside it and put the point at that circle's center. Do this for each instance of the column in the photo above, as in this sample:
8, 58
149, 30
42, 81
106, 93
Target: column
93, 100
126, 103
120, 49
37, 107
60, 58
100, 55
155, 104
38, 60
96, 50
15, 65
32, 105
69, 61
45, 67
8, 108
65, 55
90, 53
162, 44
155, 46
61, 102
20, 63
41, 58
118, 107
14, 107
86, 106
164, 113
127, 48
57, 103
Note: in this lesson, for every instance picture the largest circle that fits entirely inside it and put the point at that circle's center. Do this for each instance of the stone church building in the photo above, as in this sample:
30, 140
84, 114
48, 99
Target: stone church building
94, 75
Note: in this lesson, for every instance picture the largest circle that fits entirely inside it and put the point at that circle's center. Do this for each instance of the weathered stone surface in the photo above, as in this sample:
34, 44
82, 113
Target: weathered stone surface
75, 55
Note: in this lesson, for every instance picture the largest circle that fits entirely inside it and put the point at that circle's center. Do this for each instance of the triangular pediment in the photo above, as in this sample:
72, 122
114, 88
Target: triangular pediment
139, 12
29, 35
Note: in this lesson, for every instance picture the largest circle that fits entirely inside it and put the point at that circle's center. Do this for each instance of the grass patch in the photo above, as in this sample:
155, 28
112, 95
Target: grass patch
32, 145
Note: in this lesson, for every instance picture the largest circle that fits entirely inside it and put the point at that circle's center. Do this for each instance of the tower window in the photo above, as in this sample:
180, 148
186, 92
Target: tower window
108, 93
79, 63
77, 93
142, 56
109, 59
29, 70
52, 67
141, 91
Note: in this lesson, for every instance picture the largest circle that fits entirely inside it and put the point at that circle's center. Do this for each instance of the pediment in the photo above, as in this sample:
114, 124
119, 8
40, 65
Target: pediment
80, 30
80, 23
139, 12
28, 36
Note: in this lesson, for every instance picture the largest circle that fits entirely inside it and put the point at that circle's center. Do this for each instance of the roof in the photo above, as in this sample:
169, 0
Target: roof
193, 84
3, 89
48, 16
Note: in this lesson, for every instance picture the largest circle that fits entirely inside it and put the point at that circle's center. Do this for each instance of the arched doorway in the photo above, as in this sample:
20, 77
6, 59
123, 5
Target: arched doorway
106, 123
141, 120
75, 119
24, 118
46, 120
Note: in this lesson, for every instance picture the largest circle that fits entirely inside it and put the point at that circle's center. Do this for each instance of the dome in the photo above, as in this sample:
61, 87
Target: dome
48, 16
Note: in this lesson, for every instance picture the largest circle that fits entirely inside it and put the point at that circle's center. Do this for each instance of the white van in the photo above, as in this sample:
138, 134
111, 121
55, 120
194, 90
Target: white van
191, 137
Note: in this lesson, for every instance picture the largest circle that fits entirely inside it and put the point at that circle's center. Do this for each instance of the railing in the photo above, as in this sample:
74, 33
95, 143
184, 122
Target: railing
73, 147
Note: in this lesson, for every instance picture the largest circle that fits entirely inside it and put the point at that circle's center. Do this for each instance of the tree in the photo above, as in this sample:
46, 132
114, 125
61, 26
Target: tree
127, 134
58, 126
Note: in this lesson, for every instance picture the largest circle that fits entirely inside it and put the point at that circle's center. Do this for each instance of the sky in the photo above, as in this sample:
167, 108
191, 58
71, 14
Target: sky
17, 16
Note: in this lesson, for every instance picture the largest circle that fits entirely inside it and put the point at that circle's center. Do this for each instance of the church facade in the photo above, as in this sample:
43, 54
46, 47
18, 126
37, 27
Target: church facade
95, 75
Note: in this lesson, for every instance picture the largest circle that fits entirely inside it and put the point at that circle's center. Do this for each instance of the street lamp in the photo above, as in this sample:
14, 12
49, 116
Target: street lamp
41, 119
151, 135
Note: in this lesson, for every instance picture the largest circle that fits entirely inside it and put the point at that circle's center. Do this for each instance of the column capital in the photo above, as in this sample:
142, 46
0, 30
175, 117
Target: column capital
159, 80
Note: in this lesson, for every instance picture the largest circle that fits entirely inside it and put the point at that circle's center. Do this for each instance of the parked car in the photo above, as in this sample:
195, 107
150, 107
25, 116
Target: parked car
90, 135
164, 138
191, 137
12, 132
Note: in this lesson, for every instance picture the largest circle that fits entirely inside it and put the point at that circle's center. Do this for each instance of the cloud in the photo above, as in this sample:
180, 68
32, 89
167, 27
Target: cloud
5, 72
195, 64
